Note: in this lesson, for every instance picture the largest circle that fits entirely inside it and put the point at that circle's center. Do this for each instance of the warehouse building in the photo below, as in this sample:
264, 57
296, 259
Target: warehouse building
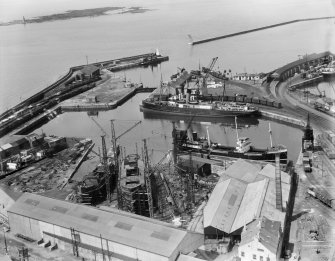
97, 234
7, 199
244, 193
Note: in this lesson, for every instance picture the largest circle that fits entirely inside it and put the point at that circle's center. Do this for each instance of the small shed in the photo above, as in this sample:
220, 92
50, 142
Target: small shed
90, 71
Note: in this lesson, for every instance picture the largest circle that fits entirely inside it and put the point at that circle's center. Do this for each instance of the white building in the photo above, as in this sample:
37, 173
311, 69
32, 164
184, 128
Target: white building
246, 77
98, 234
261, 240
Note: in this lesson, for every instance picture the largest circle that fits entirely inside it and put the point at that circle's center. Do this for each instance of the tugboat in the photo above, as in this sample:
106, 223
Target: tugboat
186, 141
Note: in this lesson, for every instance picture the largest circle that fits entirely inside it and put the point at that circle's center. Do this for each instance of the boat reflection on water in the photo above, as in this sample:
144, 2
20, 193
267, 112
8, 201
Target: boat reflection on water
243, 122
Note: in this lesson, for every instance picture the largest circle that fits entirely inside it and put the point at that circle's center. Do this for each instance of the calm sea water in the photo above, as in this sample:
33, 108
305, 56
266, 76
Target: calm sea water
35, 55
158, 131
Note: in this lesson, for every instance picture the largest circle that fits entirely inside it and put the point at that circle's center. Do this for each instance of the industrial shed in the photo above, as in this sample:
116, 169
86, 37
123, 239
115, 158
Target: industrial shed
244, 193
7, 199
93, 233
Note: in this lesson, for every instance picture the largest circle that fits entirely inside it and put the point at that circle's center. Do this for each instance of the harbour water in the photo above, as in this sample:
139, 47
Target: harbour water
158, 131
35, 55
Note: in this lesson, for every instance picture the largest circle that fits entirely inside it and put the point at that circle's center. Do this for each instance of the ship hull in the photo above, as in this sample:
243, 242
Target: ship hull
169, 110
328, 74
253, 154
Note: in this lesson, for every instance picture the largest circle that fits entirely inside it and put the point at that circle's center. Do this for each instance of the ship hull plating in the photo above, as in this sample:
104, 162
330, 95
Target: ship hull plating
169, 110
253, 154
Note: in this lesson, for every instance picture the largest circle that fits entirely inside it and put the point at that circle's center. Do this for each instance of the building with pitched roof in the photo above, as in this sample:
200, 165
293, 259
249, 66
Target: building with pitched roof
245, 192
261, 240
97, 234
7, 199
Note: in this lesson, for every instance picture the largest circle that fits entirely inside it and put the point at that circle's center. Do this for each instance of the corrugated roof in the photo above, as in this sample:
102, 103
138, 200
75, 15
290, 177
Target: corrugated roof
223, 204
118, 226
10, 139
270, 172
258, 198
251, 204
89, 69
264, 230
243, 171
12, 194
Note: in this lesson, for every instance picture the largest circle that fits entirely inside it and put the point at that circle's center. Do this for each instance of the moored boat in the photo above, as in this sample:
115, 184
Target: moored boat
197, 108
186, 141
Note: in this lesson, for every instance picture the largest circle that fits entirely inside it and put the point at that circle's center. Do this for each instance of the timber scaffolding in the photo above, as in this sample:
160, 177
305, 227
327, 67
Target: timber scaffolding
259, 29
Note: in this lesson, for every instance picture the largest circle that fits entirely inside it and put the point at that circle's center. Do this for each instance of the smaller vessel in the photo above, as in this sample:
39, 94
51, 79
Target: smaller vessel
329, 71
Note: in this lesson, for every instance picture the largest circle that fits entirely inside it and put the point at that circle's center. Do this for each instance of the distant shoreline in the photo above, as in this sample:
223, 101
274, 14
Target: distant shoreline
70, 14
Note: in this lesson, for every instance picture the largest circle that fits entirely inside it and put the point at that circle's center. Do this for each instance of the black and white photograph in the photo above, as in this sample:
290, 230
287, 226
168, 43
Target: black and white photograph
170, 130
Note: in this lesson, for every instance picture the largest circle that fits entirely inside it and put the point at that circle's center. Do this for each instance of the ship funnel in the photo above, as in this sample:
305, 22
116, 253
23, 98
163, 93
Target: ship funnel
279, 203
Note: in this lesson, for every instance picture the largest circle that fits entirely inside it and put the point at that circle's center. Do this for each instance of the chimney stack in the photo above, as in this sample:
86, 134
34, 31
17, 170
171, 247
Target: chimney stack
279, 201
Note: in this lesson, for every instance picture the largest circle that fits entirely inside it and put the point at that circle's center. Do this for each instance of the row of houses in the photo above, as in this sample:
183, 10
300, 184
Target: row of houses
247, 77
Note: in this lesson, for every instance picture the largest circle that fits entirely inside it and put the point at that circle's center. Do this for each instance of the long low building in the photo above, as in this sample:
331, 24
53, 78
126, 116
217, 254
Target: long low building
99, 233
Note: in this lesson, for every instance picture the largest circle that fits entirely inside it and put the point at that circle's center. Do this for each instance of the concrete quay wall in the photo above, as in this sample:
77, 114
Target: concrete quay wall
306, 83
105, 106
283, 119
40, 95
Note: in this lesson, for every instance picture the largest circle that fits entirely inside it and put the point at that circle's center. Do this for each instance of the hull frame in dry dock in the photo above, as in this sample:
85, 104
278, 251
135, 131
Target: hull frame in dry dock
147, 107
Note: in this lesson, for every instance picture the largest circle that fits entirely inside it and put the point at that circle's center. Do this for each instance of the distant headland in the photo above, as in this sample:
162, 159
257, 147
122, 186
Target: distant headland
76, 14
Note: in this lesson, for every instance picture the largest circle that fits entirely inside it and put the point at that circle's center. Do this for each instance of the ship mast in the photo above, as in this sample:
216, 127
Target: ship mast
270, 135
208, 138
236, 128
160, 89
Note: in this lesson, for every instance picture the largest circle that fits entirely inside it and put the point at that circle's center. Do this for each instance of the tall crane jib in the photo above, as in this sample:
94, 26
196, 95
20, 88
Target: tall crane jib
106, 168
147, 179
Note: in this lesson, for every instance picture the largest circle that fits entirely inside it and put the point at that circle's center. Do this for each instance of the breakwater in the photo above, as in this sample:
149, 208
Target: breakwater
41, 94
48, 98
259, 29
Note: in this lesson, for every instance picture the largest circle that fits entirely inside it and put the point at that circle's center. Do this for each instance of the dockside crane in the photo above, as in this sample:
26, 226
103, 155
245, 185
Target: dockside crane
147, 174
106, 168
207, 71
104, 159
117, 164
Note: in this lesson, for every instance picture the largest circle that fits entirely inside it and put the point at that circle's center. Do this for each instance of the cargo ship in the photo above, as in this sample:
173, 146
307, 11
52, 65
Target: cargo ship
186, 107
190, 142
